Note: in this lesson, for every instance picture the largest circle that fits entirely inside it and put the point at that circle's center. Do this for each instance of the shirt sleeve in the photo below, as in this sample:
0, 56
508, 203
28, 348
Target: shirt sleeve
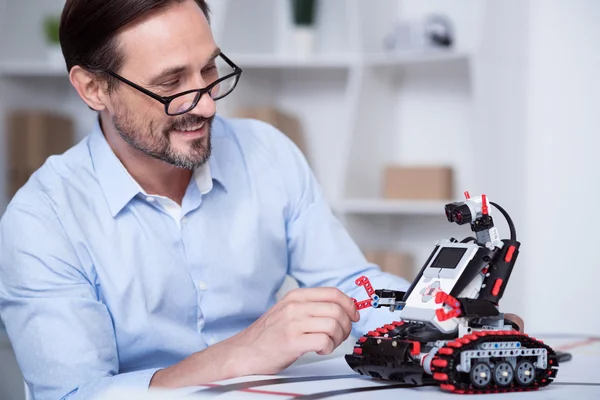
321, 251
61, 333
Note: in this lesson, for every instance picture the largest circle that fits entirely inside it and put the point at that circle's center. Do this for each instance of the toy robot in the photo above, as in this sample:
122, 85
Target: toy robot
451, 332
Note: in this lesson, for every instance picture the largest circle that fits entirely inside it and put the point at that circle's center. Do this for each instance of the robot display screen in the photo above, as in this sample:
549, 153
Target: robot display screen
448, 257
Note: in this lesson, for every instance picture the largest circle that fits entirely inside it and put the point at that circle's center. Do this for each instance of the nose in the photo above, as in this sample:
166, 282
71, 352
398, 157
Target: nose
205, 108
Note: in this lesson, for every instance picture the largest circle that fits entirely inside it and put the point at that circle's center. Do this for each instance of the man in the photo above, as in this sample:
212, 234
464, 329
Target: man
151, 252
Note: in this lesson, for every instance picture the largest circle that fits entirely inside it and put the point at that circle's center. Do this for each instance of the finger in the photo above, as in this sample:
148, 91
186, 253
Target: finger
330, 310
517, 320
297, 315
319, 343
328, 326
327, 295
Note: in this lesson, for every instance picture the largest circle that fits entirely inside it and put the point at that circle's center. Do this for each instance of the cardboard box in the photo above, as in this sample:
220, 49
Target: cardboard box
396, 263
418, 183
33, 136
285, 122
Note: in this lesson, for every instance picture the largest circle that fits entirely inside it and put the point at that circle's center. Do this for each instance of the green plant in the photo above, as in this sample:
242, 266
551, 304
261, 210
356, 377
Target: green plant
304, 11
51, 25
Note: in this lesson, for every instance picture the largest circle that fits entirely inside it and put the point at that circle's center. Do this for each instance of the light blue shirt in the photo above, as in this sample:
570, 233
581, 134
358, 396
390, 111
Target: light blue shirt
102, 285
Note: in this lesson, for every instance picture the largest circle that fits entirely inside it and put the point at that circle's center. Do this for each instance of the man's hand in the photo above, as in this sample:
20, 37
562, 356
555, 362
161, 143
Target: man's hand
303, 321
517, 320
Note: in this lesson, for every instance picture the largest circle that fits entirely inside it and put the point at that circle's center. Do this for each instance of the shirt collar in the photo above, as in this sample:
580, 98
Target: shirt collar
118, 185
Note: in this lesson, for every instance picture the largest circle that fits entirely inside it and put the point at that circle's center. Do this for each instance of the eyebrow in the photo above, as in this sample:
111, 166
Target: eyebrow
179, 69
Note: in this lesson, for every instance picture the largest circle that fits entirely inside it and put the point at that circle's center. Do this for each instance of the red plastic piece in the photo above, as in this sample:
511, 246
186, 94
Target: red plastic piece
362, 304
364, 281
467, 195
509, 253
448, 300
448, 387
439, 363
357, 350
446, 351
416, 348
362, 339
440, 314
439, 376
484, 208
497, 287
441, 297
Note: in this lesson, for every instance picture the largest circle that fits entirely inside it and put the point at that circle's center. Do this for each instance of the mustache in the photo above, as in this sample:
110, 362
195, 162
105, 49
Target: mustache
185, 122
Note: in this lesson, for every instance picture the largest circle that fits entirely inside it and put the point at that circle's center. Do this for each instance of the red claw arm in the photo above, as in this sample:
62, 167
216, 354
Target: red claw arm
449, 301
364, 281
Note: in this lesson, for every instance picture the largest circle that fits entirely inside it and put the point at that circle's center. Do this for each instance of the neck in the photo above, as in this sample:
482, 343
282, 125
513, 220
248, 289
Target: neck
156, 177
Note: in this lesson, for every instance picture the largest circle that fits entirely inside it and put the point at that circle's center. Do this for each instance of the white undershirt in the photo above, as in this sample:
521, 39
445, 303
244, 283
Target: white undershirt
203, 181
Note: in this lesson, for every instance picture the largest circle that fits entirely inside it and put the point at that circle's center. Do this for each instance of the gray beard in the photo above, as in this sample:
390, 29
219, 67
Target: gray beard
159, 147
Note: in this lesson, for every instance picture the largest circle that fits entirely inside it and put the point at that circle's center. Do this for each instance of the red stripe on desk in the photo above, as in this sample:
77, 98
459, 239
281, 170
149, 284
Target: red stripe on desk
258, 391
273, 393
581, 343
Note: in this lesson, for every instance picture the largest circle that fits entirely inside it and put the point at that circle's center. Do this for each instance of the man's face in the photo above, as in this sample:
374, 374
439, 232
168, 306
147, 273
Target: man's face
169, 52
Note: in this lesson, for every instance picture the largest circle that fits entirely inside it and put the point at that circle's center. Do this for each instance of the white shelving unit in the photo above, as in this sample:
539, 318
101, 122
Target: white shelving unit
361, 108
391, 207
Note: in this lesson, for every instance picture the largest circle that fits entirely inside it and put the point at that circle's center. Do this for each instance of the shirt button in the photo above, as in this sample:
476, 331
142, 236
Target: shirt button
211, 341
184, 220
150, 199
201, 285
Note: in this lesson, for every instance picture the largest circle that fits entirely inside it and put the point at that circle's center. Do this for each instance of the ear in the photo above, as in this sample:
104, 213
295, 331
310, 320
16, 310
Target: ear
90, 88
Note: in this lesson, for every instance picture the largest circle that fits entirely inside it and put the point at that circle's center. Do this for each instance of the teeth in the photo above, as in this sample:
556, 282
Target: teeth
193, 128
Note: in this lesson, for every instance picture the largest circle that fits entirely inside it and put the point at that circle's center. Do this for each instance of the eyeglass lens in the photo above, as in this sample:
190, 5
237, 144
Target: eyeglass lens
221, 68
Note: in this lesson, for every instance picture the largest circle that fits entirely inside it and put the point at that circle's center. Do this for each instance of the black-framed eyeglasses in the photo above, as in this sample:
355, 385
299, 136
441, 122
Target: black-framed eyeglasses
224, 77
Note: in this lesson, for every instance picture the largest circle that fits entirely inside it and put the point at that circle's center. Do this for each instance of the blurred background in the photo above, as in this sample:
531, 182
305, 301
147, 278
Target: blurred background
400, 106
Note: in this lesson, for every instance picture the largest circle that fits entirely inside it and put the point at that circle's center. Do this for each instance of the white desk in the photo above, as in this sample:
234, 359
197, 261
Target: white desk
332, 378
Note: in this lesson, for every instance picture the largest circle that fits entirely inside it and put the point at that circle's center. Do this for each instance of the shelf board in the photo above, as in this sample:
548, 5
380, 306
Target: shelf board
266, 61
245, 61
399, 58
42, 69
393, 207
31, 69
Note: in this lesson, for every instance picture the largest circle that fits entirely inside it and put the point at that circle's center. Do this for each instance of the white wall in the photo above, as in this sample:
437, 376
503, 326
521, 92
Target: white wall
563, 179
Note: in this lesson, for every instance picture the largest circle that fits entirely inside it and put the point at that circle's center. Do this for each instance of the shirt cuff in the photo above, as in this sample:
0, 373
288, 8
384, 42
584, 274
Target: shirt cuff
135, 379
124, 385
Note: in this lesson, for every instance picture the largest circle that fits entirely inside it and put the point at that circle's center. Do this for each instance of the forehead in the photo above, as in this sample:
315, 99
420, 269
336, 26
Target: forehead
178, 35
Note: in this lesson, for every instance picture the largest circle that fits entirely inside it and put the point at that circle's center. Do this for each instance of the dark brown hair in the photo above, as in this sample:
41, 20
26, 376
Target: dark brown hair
88, 30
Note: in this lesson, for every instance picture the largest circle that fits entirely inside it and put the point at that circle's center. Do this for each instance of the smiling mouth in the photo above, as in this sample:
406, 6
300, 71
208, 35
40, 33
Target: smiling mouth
195, 130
